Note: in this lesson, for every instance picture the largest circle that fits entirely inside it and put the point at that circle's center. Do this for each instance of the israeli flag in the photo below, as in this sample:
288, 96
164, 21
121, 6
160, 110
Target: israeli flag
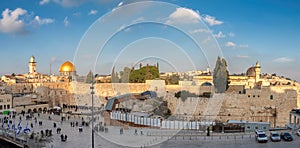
19, 128
26, 129
8, 125
13, 127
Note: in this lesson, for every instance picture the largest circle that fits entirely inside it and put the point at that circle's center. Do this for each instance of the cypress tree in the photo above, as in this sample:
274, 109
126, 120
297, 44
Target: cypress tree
220, 76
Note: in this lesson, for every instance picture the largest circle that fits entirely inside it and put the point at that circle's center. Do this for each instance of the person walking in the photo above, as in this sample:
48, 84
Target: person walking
135, 132
62, 137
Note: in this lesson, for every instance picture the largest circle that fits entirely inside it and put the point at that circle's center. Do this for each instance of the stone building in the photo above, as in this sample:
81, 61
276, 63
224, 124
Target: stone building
251, 79
5, 100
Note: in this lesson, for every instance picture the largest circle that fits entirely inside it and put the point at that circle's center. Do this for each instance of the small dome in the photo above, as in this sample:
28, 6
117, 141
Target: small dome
32, 59
251, 72
67, 67
257, 64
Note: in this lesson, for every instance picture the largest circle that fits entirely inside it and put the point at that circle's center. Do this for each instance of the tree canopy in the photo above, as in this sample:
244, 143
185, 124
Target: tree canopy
89, 77
143, 74
136, 75
221, 76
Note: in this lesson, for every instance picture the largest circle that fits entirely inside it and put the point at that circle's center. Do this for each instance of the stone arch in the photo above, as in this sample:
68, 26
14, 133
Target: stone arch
206, 84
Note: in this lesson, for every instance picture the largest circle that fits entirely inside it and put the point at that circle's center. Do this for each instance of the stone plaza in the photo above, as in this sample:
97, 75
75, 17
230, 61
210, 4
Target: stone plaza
133, 136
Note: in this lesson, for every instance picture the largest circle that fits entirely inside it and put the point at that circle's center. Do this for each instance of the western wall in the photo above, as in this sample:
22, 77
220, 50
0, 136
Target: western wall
268, 104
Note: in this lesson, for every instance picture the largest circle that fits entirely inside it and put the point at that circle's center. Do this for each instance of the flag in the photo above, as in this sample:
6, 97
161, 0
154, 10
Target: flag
8, 125
13, 127
26, 129
19, 128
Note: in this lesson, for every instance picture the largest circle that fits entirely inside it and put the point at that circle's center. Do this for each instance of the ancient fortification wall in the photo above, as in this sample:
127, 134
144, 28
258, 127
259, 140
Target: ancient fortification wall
266, 105
270, 104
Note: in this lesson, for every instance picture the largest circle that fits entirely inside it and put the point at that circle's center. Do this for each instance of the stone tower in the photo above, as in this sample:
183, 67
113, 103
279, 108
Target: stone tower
257, 71
32, 65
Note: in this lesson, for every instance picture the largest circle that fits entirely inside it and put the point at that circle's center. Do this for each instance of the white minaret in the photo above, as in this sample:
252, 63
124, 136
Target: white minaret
32, 65
257, 71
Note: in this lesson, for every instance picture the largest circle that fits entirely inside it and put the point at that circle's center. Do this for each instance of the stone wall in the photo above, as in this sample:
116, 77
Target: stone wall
26, 108
256, 105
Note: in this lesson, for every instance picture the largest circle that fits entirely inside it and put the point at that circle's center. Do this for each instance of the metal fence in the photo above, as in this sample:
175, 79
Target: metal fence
157, 122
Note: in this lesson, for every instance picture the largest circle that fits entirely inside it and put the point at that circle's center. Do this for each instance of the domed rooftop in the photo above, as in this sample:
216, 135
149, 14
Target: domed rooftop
251, 72
67, 67
32, 59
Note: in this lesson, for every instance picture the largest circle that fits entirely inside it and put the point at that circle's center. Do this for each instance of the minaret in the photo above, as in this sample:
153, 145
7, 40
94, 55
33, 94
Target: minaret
257, 71
32, 65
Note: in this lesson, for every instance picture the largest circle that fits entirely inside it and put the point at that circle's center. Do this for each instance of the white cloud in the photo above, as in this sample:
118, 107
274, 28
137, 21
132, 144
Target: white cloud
230, 44
200, 31
54, 60
93, 12
69, 3
122, 27
120, 4
40, 21
42, 2
77, 14
283, 60
211, 20
10, 22
206, 40
243, 46
127, 29
183, 16
231, 34
234, 45
138, 20
66, 21
219, 35
242, 56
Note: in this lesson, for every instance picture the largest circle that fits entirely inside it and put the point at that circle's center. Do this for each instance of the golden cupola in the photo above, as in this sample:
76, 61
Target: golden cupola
67, 69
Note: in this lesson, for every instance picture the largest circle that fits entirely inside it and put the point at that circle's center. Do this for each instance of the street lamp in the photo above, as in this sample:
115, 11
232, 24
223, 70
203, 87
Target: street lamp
92, 92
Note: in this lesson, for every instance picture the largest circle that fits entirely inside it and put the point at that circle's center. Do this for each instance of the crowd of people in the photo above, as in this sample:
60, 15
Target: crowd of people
35, 121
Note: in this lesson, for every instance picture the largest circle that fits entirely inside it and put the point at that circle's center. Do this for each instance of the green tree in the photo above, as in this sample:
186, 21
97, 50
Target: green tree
114, 76
89, 77
125, 75
221, 76
143, 74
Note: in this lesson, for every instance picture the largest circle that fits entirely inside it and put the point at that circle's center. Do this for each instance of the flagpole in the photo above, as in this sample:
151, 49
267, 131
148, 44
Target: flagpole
92, 93
14, 129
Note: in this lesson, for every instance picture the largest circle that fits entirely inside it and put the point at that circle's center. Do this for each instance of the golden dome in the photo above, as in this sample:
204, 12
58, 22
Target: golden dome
67, 67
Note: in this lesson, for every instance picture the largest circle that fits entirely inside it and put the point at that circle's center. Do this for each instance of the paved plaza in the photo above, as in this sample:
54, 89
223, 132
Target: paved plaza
136, 137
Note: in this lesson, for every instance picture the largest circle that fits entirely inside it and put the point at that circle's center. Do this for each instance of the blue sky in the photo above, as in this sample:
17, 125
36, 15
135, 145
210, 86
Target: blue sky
55, 31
